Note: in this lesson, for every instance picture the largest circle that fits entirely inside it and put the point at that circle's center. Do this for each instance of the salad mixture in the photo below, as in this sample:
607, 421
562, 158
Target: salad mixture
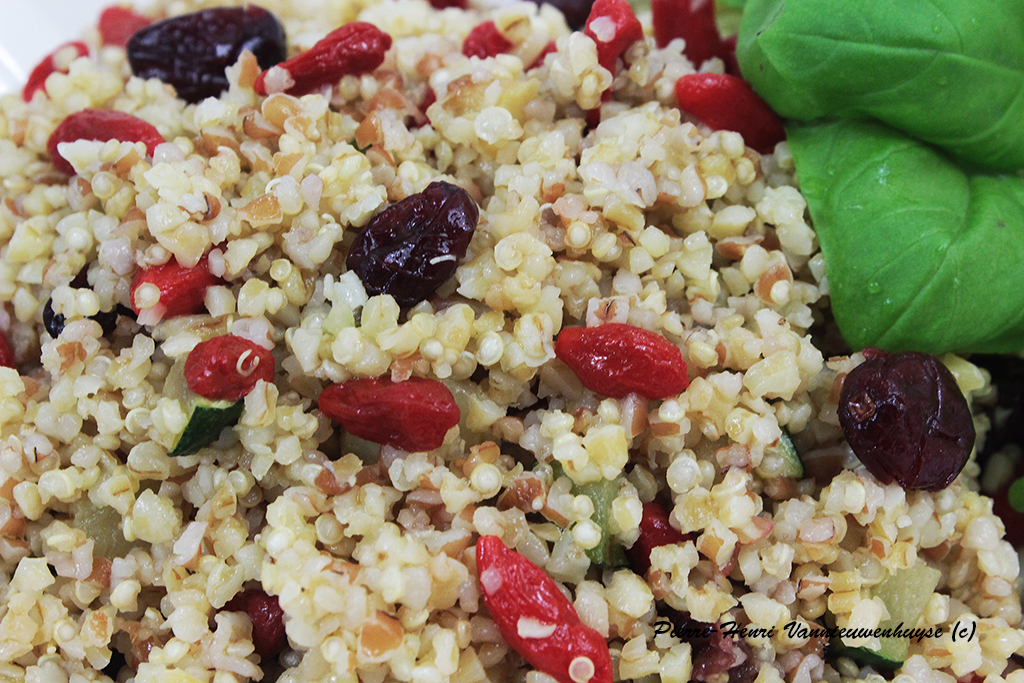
451, 341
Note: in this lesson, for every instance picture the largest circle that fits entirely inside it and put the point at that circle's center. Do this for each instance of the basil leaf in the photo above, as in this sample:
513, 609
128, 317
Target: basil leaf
950, 72
919, 254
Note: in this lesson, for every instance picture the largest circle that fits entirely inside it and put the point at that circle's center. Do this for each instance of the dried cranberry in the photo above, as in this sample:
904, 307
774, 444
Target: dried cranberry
192, 51
907, 420
410, 249
713, 653
574, 11
267, 617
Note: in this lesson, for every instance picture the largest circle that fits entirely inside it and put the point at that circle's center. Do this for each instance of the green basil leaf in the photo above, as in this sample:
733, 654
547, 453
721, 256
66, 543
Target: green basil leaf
919, 254
950, 72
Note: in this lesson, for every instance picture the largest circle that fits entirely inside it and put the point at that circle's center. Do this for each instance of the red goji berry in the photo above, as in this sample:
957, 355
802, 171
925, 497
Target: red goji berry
413, 415
550, 48
655, 531
226, 368
691, 20
445, 4
355, 48
614, 27
37, 78
485, 40
103, 125
118, 24
7, 359
267, 617
182, 290
536, 619
616, 359
725, 102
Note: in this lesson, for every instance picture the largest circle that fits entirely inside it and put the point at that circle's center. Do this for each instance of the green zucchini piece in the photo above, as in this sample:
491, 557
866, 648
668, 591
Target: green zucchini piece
781, 460
205, 424
905, 593
608, 552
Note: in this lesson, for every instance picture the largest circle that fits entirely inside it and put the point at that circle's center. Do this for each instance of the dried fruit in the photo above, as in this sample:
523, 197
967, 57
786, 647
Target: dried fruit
7, 359
103, 125
413, 415
118, 24
691, 20
411, 248
191, 51
485, 40
655, 531
355, 48
614, 27
267, 617
616, 359
37, 78
182, 290
536, 619
906, 419
226, 368
725, 102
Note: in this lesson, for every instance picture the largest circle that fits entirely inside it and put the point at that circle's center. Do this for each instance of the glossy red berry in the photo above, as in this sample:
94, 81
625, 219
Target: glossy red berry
226, 368
413, 415
103, 125
616, 360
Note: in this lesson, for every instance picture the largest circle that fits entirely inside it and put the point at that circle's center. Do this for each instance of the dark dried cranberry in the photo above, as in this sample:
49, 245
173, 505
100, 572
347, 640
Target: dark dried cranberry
907, 420
267, 617
192, 51
410, 249
575, 11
